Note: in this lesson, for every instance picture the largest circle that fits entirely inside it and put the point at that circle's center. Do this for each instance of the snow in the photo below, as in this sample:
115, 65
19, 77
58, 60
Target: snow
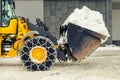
109, 48
104, 64
62, 40
89, 19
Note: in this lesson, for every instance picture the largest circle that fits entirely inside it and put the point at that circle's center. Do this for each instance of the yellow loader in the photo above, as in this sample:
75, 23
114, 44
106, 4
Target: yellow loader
36, 46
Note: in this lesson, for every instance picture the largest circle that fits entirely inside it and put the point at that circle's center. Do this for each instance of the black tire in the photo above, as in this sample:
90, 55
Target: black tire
38, 41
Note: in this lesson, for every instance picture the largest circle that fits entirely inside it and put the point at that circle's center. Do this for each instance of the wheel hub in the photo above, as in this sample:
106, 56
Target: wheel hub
38, 54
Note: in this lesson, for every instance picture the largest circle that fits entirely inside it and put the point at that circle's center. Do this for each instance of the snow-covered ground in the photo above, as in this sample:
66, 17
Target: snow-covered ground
103, 64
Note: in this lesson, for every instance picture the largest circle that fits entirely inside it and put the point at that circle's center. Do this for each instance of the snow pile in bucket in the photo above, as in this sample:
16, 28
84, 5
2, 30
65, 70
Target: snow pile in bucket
89, 19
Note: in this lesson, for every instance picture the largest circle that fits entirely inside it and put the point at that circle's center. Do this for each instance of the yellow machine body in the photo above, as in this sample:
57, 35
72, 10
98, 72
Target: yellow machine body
16, 29
35, 45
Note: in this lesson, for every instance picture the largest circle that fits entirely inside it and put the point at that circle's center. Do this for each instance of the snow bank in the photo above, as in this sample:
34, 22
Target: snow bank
89, 19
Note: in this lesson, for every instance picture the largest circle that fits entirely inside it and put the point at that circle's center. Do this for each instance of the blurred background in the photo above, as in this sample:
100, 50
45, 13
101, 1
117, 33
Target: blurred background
54, 13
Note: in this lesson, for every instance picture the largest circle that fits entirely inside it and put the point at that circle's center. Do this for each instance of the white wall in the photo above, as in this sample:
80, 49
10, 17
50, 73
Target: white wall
116, 24
31, 9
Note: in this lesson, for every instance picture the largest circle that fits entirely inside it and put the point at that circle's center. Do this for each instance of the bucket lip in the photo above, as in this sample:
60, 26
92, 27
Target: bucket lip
98, 35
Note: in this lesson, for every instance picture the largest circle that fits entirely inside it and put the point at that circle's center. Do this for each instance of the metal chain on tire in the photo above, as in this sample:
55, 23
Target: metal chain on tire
43, 42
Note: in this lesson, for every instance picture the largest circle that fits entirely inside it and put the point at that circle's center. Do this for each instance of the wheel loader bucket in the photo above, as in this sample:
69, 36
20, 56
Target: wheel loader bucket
83, 41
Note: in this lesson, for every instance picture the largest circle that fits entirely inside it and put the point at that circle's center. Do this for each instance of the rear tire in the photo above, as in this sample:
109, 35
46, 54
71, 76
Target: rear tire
39, 41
